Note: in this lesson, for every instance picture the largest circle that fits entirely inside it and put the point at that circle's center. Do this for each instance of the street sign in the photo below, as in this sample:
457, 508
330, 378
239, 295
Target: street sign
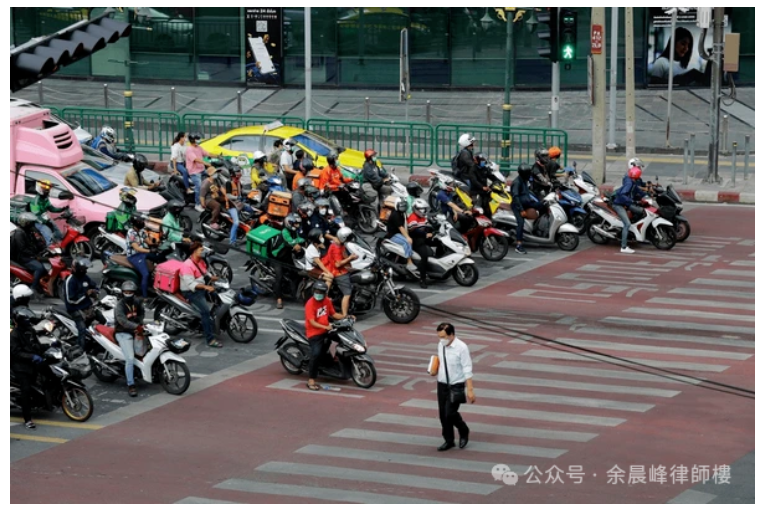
597, 39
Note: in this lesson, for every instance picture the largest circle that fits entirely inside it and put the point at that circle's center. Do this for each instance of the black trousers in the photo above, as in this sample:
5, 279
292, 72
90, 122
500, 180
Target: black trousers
25, 382
320, 346
449, 415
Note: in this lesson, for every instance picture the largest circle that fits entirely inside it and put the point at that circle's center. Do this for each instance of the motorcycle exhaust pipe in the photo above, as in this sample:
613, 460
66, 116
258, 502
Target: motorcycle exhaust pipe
602, 232
289, 358
103, 365
172, 321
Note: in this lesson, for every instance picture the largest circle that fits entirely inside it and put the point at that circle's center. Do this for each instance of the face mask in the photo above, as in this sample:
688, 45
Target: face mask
444, 341
323, 211
322, 240
319, 296
482, 164
375, 159
129, 298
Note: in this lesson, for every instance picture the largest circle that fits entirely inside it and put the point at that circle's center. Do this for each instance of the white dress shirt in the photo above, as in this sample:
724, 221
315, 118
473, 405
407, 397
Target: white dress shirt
458, 363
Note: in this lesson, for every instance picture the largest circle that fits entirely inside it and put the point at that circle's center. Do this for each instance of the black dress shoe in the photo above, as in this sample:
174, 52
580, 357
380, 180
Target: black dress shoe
446, 446
463, 442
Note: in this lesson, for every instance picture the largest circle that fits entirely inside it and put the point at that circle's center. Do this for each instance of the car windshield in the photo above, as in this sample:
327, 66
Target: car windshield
96, 159
317, 144
87, 181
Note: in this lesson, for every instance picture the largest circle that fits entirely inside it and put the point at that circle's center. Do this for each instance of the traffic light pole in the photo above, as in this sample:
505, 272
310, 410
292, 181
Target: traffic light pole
598, 108
555, 106
506, 106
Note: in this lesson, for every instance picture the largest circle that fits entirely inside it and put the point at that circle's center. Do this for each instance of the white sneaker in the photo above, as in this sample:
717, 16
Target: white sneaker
626, 250
199, 208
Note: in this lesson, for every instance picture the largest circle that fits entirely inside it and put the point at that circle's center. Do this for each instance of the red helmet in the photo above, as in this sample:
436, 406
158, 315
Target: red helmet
635, 173
370, 153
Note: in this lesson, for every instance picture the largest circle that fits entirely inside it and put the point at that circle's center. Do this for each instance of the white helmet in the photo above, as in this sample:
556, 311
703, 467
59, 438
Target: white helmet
289, 144
259, 155
344, 235
636, 162
420, 206
108, 134
465, 140
21, 291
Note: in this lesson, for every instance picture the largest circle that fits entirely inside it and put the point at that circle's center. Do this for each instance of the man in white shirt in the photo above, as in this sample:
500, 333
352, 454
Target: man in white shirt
286, 162
455, 379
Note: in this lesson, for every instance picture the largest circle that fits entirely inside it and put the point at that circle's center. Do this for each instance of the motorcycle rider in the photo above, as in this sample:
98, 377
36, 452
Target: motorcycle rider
464, 164
318, 312
129, 315
422, 236
542, 180
106, 144
171, 229
26, 356
321, 220
522, 201
80, 289
553, 166
138, 252
290, 246
258, 170
375, 177
134, 177
194, 288
313, 257
299, 195
24, 249
479, 183
305, 211
338, 262
211, 198
286, 162
39, 206
461, 219
118, 220
624, 199
331, 177
396, 231
195, 165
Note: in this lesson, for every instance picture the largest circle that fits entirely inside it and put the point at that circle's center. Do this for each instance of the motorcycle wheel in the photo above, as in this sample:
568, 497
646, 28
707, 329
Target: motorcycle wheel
498, 250
367, 220
363, 374
81, 407
81, 250
579, 220
568, 241
100, 374
593, 235
663, 238
242, 327
175, 377
222, 270
404, 308
683, 231
294, 351
466, 275
171, 312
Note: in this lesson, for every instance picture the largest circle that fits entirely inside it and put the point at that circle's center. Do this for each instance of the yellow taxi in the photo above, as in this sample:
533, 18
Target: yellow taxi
246, 140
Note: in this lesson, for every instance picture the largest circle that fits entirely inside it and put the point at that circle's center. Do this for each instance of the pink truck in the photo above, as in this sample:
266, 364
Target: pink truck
44, 149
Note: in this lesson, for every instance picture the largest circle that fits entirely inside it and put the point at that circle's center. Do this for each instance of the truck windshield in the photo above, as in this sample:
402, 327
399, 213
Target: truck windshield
87, 181
96, 159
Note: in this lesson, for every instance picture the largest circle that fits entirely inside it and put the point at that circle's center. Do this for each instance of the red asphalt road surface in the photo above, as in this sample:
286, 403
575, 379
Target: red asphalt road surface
229, 430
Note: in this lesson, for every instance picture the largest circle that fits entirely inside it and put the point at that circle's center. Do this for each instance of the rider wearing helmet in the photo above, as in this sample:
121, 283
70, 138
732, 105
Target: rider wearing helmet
286, 162
285, 247
540, 172
522, 202
299, 194
625, 197
479, 183
20, 297
139, 252
464, 164
134, 177
129, 315
318, 313
171, 228
24, 248
194, 162
461, 219
117, 220
331, 176
396, 231
40, 206
313, 257
26, 356
375, 177
259, 169
106, 144
80, 289
338, 262
422, 236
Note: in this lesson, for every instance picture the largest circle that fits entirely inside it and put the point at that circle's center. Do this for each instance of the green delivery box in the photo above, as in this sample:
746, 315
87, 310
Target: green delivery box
258, 240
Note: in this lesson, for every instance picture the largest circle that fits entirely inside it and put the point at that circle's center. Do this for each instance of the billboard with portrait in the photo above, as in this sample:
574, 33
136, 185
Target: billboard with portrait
264, 45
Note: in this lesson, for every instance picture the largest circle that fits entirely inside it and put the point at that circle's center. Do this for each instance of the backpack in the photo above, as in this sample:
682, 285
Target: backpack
455, 167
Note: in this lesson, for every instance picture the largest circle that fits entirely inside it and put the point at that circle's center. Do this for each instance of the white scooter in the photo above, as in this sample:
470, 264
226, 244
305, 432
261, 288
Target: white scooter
559, 231
64, 327
106, 242
456, 261
584, 184
606, 225
157, 362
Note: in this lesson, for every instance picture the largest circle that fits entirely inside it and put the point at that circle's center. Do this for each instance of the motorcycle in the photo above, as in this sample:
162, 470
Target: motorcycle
74, 243
606, 225
158, 362
353, 361
493, 243
357, 208
227, 314
670, 208
441, 179
571, 202
53, 282
452, 260
557, 229
64, 327
61, 383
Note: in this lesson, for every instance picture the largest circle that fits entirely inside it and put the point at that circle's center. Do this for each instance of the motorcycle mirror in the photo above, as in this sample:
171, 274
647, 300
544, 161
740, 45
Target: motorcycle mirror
65, 196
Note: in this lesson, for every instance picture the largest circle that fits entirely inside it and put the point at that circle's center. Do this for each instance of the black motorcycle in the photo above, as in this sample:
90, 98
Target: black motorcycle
352, 360
60, 383
670, 208
356, 208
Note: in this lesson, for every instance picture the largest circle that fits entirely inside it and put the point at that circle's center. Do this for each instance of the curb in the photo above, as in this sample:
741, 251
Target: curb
689, 195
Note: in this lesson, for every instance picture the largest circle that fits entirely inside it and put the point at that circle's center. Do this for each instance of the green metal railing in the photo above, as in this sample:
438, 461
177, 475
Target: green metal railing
509, 146
53, 110
212, 125
399, 143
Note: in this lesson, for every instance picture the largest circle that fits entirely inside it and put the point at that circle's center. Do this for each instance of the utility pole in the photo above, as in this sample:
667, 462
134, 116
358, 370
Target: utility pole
555, 106
716, 68
631, 150
674, 12
307, 63
598, 108
506, 106
613, 77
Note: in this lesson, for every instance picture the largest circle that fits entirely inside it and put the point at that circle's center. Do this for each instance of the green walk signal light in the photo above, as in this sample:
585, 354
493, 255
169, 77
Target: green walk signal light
567, 36
547, 18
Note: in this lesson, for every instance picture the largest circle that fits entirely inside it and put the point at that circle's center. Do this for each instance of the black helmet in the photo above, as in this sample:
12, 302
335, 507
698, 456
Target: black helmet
542, 156
480, 157
311, 191
195, 138
23, 316
414, 189
140, 163
292, 222
524, 171
307, 208
320, 287
82, 265
175, 207
314, 235
401, 205
332, 157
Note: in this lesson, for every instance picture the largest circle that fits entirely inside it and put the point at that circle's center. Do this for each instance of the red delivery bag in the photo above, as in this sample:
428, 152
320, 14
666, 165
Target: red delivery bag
167, 276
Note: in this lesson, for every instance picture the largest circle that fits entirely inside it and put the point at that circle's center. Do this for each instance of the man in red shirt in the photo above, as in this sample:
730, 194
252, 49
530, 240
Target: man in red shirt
339, 263
331, 176
319, 310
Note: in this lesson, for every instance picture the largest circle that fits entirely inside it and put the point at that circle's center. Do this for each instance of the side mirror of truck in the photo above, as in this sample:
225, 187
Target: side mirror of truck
65, 196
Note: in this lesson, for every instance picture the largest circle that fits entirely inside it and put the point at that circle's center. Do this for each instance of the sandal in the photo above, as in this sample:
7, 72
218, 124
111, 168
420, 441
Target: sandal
279, 305
313, 387
214, 344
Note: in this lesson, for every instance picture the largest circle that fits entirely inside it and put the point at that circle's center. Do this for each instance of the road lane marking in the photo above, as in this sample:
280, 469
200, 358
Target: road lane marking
49, 423
39, 439
703, 303
713, 293
691, 313
654, 349
678, 365
194, 500
736, 273
683, 325
579, 386
725, 282
580, 370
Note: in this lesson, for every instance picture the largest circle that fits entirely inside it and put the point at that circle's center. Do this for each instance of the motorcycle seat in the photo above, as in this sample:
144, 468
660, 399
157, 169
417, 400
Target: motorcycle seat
61, 310
122, 261
295, 326
108, 332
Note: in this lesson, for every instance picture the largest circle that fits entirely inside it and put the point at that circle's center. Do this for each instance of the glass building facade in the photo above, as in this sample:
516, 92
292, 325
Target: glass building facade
351, 47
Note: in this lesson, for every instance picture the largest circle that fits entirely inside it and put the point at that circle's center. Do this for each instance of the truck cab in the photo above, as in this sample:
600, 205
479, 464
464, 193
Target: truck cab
42, 148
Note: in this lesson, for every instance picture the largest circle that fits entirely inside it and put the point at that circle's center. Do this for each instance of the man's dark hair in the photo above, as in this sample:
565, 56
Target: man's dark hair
300, 154
447, 328
278, 143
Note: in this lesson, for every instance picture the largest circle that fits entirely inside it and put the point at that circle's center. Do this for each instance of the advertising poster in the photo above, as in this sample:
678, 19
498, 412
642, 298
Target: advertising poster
689, 67
264, 45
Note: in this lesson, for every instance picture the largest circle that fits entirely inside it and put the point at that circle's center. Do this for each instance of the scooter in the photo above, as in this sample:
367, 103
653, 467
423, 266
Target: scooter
557, 231
61, 384
64, 326
51, 283
158, 362
454, 260
606, 225
74, 243
441, 179
353, 361
670, 208
493, 243
357, 210
227, 313
571, 202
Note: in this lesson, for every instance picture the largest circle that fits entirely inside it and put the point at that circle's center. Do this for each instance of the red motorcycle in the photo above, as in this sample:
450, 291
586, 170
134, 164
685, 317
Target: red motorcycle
52, 283
74, 243
493, 243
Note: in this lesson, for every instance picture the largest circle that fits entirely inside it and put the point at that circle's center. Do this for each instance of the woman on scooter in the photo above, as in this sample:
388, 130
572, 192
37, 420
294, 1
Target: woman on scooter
522, 201
624, 199
194, 288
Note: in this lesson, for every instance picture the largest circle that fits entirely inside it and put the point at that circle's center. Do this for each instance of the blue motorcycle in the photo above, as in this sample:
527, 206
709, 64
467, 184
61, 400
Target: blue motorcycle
571, 202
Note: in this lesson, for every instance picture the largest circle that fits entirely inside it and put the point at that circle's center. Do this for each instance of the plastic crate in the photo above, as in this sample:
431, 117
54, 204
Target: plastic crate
259, 240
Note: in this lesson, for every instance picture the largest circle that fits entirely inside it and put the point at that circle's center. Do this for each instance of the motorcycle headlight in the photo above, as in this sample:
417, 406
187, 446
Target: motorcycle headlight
48, 326
358, 348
